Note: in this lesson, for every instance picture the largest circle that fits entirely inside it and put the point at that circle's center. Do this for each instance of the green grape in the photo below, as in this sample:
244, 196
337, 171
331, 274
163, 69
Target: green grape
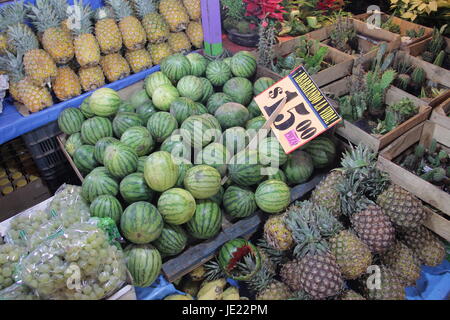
18, 292
10, 255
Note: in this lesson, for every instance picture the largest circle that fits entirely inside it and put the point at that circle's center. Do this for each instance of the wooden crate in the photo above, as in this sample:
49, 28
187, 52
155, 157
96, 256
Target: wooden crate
341, 63
354, 134
424, 190
441, 114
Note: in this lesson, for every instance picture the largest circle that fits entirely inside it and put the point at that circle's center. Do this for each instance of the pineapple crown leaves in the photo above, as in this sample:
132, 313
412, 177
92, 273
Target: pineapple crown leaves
261, 279
14, 13
144, 7
359, 157
301, 295
13, 64
122, 8
276, 256
80, 18
104, 13
213, 270
327, 224
61, 8
43, 15
22, 38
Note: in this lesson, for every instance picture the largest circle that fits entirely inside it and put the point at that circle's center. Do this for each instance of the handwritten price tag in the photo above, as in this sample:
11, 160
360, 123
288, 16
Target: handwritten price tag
306, 113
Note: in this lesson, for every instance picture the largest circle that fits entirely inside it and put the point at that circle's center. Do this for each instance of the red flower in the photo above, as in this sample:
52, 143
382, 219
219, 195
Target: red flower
263, 9
325, 5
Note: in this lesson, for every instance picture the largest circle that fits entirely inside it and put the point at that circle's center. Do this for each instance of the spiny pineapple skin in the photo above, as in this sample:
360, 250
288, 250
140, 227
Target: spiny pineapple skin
58, 44
108, 36
374, 228
3, 43
139, 60
87, 50
425, 245
194, 32
326, 194
193, 8
91, 78
275, 291
159, 51
351, 295
352, 255
179, 42
400, 259
39, 66
175, 14
277, 235
34, 98
66, 85
133, 34
115, 67
265, 259
290, 275
391, 287
156, 28
14, 91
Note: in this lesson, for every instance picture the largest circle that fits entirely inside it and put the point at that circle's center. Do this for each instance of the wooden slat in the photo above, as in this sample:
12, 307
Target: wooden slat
402, 143
437, 223
441, 114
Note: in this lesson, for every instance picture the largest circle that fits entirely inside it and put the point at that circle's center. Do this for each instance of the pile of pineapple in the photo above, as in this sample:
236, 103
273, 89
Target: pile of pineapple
67, 50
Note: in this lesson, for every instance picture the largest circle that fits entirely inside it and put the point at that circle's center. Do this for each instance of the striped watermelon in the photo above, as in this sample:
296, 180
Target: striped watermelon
202, 181
103, 171
155, 80
208, 90
161, 171
239, 202
172, 241
322, 151
164, 96
228, 61
176, 146
235, 139
93, 129
120, 160
145, 111
96, 184
198, 64
271, 152
184, 165
277, 174
70, 120
233, 252
139, 98
139, 139
177, 206
199, 109
176, 67
262, 84
218, 72
190, 87
141, 163
124, 120
106, 206
255, 123
104, 102
141, 222
73, 142
86, 109
298, 168
245, 169
216, 100
100, 147
182, 108
144, 263
254, 109
207, 220
133, 188
239, 89
161, 125
231, 114
84, 159
273, 196
200, 130
243, 64
216, 156
125, 106
218, 197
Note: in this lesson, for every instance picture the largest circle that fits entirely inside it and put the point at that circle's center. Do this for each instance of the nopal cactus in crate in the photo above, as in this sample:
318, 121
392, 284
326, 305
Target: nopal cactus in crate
418, 77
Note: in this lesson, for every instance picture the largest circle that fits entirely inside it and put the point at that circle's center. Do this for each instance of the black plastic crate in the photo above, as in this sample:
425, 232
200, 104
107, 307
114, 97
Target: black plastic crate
55, 177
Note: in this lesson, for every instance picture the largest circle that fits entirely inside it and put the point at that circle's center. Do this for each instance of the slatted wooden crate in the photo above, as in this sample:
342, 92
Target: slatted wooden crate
441, 114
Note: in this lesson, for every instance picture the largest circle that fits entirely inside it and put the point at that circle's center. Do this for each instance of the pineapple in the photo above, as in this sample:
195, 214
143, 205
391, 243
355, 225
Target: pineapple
86, 46
107, 32
54, 40
115, 67
266, 287
62, 10
193, 8
91, 78
175, 14
194, 32
133, 34
12, 14
290, 274
66, 85
154, 24
425, 245
179, 42
38, 64
159, 51
276, 234
326, 194
400, 259
390, 286
139, 60
3, 43
351, 295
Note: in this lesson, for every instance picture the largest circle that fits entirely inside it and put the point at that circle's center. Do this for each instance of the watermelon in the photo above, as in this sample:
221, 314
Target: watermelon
100, 147
120, 160
228, 61
73, 142
218, 72
172, 241
198, 64
176, 67
84, 159
208, 90
139, 98
298, 168
199, 109
239, 202
144, 263
141, 222
163, 96
273, 196
154, 81
207, 220
255, 123
145, 111
86, 109
202, 181
233, 252
232, 114
124, 120
175, 145
271, 152
216, 156
141, 163
235, 139
161, 125
133, 188
244, 168
125, 106
106, 206
254, 109
262, 84
93, 129
104, 102
216, 100
322, 151
96, 184
190, 87
177, 206
139, 139
239, 89
200, 130
70, 120
218, 197
184, 165
276, 174
161, 171
103, 171
243, 64
181, 108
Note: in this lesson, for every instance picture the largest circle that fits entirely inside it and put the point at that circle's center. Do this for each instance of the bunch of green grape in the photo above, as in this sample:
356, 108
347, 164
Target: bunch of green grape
23, 226
69, 200
18, 292
10, 255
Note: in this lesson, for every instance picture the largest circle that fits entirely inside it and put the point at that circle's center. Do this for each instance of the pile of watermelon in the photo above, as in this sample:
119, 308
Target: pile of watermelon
168, 162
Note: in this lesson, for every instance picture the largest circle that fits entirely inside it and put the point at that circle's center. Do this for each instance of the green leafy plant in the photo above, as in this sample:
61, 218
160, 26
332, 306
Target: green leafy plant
390, 25
342, 34
395, 115
413, 33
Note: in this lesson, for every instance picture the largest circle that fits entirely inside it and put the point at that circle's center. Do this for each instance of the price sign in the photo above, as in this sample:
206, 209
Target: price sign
306, 113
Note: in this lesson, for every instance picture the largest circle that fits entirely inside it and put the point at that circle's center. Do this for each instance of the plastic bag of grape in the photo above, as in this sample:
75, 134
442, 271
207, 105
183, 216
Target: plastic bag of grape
18, 292
83, 262
10, 255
